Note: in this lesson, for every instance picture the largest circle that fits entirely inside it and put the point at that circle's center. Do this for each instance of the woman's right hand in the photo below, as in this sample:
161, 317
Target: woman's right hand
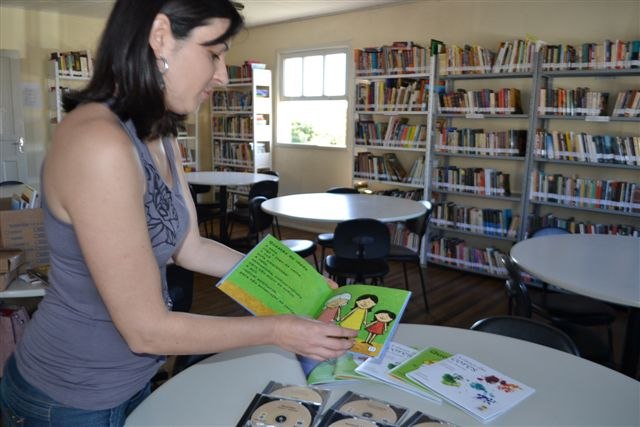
311, 338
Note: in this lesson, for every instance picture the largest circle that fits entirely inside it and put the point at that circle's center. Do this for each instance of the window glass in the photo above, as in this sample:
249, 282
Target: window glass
313, 105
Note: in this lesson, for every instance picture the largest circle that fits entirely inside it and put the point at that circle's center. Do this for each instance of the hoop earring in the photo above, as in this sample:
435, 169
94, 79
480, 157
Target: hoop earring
165, 65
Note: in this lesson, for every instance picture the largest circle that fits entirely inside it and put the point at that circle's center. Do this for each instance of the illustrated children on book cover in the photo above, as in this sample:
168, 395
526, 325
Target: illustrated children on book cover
331, 311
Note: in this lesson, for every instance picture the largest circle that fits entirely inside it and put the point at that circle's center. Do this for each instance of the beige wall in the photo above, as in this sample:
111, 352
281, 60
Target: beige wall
483, 22
35, 35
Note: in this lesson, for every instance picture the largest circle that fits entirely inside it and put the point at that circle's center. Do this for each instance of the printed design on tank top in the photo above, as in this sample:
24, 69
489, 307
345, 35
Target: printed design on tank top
161, 213
162, 218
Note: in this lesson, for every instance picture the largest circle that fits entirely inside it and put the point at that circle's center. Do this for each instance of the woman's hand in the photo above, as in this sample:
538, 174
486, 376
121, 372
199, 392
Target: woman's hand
312, 338
331, 283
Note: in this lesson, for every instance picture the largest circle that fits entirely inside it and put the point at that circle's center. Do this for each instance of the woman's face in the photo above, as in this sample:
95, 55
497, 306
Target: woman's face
194, 69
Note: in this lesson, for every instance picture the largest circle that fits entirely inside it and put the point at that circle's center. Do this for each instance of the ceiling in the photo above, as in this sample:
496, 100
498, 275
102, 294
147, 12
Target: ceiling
256, 12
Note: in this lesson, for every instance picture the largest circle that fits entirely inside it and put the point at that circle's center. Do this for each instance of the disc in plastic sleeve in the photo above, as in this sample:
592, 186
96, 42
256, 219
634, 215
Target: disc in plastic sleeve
281, 413
299, 392
370, 409
353, 422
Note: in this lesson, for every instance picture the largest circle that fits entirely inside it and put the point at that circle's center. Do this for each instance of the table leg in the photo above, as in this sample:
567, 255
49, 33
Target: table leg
224, 238
631, 344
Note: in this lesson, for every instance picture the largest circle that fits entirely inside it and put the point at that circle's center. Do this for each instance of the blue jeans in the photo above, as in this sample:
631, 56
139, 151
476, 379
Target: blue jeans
23, 405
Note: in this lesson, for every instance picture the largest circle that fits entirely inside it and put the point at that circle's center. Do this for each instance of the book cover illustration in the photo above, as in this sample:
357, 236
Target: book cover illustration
423, 357
272, 279
474, 387
379, 369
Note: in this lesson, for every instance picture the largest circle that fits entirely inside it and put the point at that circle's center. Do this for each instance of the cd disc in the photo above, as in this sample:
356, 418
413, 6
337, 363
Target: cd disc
429, 424
298, 392
281, 413
370, 409
353, 422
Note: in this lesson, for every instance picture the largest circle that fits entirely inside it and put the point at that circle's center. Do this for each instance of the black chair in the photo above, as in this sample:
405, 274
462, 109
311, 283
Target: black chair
11, 182
205, 212
325, 240
528, 330
240, 212
260, 221
571, 313
361, 247
403, 254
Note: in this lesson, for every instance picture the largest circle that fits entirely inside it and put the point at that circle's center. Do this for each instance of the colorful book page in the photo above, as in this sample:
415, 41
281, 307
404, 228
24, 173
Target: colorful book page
474, 387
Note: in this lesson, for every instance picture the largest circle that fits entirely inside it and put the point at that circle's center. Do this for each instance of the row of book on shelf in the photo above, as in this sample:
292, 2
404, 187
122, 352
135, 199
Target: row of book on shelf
554, 145
487, 221
602, 194
243, 72
585, 147
232, 126
387, 167
231, 100
395, 132
536, 222
411, 95
73, 63
457, 252
481, 181
517, 55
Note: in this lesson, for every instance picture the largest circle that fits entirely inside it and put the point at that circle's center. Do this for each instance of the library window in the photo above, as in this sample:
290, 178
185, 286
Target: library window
312, 102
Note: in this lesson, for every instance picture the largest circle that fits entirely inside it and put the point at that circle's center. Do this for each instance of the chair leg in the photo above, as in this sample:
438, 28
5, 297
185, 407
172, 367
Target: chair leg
322, 261
424, 288
315, 262
406, 277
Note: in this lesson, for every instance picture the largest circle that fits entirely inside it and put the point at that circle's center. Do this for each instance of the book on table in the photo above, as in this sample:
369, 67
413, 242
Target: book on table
477, 389
271, 279
397, 354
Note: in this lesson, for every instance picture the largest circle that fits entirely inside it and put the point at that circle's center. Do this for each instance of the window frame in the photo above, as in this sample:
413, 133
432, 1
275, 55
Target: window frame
303, 52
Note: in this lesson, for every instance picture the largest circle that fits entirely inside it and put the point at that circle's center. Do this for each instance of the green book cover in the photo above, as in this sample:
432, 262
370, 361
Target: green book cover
272, 279
427, 356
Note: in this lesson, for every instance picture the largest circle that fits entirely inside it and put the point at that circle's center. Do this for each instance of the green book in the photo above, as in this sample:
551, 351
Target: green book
272, 279
427, 356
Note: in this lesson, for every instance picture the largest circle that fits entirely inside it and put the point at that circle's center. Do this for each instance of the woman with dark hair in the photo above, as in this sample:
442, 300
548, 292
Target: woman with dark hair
117, 210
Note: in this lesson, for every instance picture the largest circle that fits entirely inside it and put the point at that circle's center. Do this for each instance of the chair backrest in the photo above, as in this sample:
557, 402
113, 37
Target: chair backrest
529, 330
515, 287
342, 190
419, 225
362, 238
268, 189
11, 183
270, 172
547, 231
259, 220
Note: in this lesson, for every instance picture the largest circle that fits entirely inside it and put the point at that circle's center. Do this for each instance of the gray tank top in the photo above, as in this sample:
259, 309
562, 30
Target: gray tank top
71, 349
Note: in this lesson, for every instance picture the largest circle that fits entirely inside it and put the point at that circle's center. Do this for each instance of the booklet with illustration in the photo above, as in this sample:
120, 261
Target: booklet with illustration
379, 369
474, 387
272, 279
426, 356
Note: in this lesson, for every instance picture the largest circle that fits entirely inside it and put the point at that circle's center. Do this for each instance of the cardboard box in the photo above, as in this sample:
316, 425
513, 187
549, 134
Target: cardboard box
10, 259
6, 278
24, 229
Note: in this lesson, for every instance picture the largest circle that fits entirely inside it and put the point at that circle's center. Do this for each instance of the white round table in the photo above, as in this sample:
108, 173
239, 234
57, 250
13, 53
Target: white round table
569, 390
599, 266
329, 207
222, 180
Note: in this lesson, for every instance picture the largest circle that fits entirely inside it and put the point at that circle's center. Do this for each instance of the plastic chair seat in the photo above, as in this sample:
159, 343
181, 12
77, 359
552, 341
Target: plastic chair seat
356, 269
528, 330
402, 254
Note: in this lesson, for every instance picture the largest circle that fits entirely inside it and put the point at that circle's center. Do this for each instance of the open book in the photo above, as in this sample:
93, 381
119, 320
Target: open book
272, 279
